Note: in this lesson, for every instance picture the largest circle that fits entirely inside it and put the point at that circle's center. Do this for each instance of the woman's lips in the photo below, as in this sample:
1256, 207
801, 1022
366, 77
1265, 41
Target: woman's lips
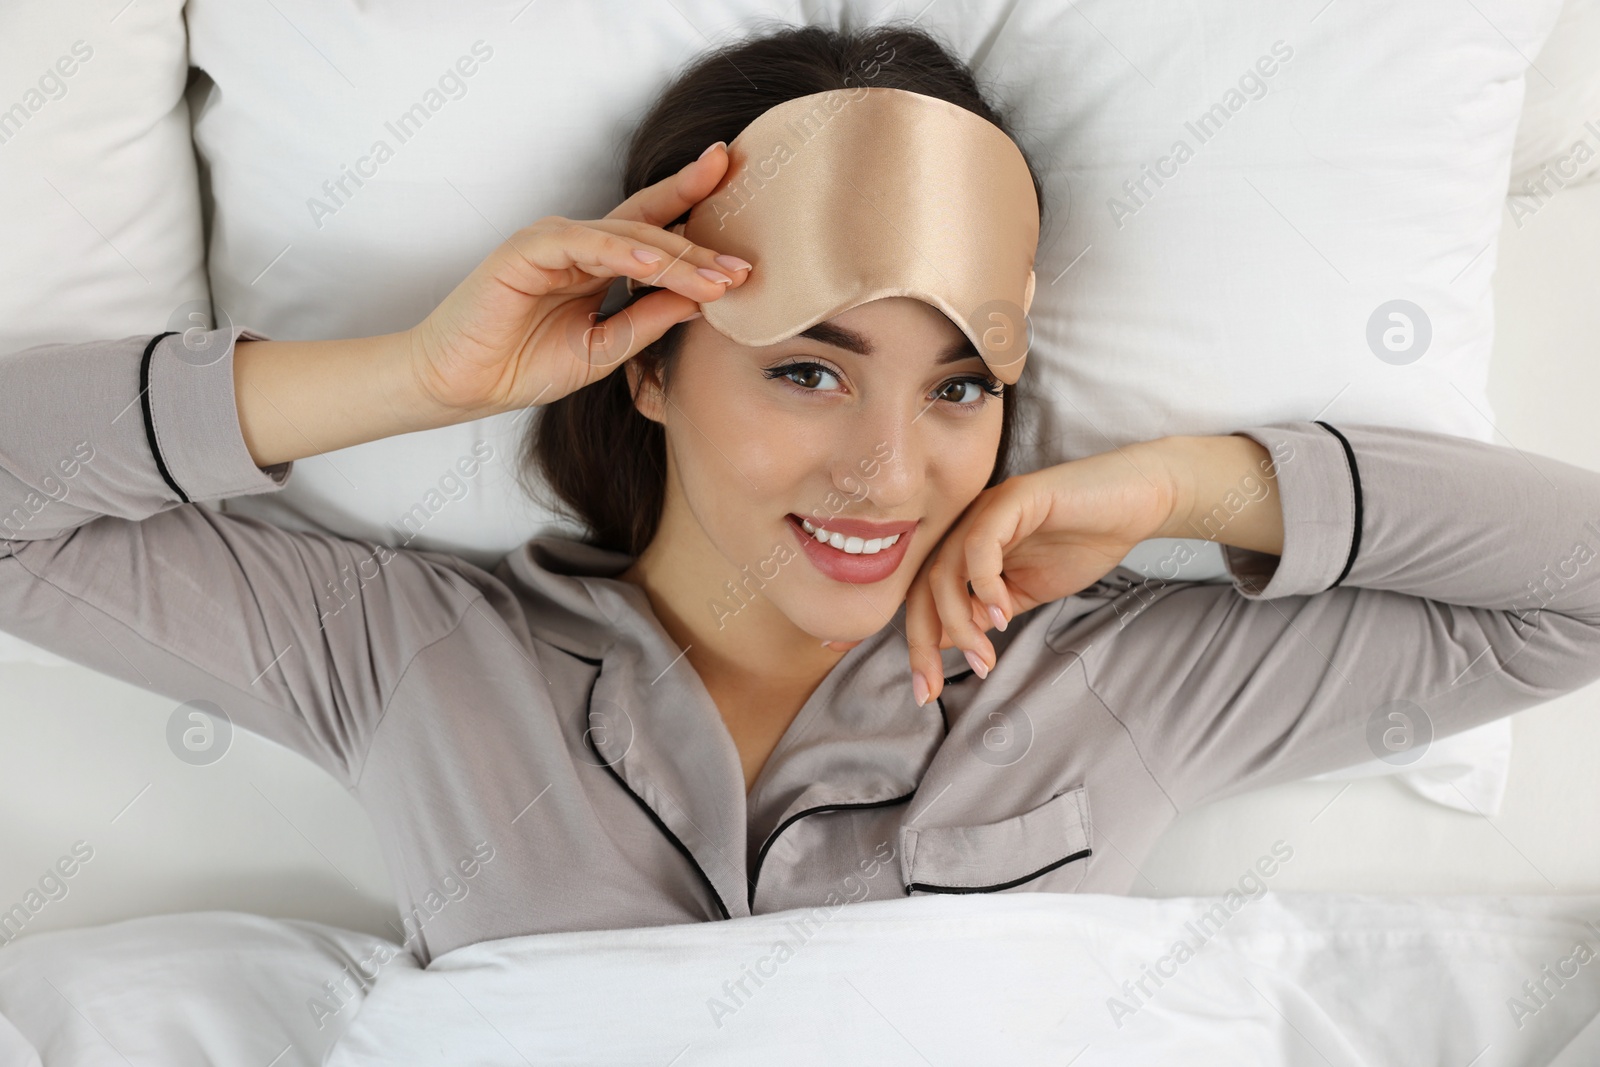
856, 568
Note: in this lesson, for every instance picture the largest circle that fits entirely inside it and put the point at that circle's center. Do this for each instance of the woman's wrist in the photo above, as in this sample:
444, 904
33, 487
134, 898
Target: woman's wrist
305, 398
1223, 488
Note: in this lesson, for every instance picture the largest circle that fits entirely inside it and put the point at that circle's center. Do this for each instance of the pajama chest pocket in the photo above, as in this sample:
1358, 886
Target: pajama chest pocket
1045, 850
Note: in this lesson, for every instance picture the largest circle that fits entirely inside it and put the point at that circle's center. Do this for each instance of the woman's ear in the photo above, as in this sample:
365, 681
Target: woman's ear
645, 388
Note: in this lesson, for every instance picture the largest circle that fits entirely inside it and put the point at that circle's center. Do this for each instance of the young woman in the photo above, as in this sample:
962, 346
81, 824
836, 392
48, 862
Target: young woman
630, 731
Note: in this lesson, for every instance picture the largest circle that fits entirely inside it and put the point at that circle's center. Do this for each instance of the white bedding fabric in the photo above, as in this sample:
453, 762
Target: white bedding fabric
1013, 979
1017, 978
195, 989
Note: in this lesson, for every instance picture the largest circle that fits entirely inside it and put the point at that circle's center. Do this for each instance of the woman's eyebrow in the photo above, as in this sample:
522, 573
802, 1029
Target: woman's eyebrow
852, 341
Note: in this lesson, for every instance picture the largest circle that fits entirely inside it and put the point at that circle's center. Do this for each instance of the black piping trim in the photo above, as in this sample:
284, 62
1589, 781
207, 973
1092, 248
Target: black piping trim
761, 856
648, 810
960, 677
149, 418
926, 888
1355, 478
591, 662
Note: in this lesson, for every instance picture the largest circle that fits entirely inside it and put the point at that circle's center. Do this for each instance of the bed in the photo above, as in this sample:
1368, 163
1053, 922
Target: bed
170, 177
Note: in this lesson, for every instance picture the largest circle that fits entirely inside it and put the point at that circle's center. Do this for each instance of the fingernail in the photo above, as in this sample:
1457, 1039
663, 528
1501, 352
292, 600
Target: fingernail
645, 256
733, 263
919, 688
998, 616
977, 663
691, 318
711, 275
709, 147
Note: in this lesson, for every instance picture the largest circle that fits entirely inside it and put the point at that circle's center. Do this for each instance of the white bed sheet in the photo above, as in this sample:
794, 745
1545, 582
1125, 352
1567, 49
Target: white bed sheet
1286, 980
1015, 978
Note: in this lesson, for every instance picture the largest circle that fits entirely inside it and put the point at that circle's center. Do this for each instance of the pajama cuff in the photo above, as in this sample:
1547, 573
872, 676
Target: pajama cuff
1318, 482
191, 417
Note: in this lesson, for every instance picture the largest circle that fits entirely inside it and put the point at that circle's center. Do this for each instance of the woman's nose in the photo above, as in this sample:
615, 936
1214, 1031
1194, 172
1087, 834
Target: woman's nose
882, 465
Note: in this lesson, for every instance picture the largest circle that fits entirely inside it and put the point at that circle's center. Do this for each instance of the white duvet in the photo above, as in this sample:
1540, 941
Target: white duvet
1282, 979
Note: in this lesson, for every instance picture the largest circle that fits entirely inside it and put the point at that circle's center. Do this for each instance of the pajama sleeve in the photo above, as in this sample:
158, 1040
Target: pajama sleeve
1428, 583
108, 559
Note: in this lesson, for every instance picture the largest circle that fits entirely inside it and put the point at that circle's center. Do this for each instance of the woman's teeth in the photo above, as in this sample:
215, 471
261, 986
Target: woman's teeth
856, 546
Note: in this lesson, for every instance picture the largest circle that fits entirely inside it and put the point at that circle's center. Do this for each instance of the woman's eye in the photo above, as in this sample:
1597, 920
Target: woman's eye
810, 376
967, 391
960, 391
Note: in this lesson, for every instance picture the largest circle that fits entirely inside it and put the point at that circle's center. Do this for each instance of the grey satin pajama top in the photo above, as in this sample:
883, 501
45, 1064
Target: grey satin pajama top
538, 714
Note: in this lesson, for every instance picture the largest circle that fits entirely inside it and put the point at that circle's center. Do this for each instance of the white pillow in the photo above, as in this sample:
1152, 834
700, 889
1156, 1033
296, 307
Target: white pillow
1560, 128
97, 172
97, 175
187, 990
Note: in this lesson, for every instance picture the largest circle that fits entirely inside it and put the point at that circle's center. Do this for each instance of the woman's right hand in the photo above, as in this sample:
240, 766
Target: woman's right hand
521, 328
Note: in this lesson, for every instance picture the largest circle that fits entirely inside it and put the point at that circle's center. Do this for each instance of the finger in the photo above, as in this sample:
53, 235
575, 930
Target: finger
680, 257
979, 613
922, 636
605, 343
985, 548
670, 197
561, 253
948, 581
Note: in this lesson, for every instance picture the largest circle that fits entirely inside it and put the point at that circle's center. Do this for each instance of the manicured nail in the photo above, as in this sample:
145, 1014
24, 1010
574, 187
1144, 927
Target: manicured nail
998, 616
919, 688
709, 147
733, 263
711, 275
977, 664
691, 318
644, 255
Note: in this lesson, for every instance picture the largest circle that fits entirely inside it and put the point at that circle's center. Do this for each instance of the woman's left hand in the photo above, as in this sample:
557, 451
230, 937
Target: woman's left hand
1032, 539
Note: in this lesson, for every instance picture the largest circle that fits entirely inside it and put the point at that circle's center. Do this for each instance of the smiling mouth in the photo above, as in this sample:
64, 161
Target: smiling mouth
854, 545
854, 550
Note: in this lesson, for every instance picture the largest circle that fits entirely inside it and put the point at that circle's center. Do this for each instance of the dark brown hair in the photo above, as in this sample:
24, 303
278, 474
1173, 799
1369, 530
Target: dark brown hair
606, 463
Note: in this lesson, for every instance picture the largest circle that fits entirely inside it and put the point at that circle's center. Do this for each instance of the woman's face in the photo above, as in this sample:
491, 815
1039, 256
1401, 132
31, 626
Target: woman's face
880, 424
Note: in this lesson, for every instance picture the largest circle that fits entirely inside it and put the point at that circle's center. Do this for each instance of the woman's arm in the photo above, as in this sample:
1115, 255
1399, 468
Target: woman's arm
107, 559
303, 398
1425, 584
1224, 491
1048, 534
1389, 586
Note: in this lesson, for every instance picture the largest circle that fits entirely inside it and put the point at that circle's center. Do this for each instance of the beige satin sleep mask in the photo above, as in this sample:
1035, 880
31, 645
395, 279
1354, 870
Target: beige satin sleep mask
851, 195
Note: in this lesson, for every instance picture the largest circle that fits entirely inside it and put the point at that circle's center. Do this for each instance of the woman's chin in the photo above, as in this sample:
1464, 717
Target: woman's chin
854, 617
